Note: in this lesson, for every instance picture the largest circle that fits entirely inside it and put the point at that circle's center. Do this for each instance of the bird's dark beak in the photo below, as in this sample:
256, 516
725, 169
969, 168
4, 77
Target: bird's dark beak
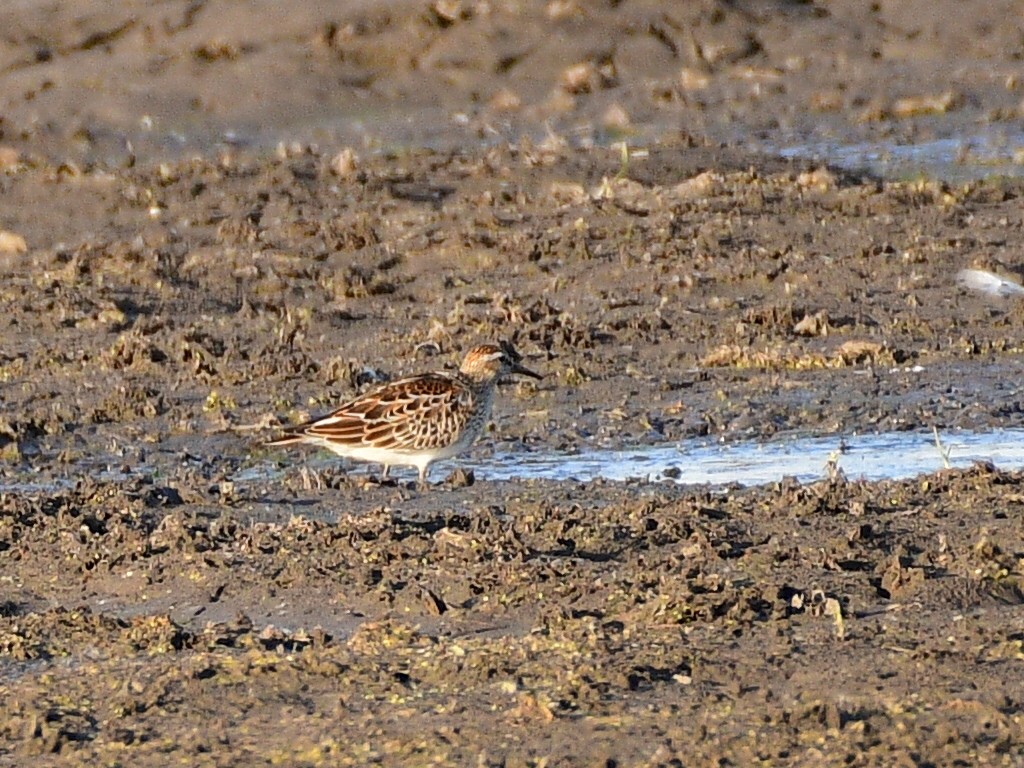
517, 368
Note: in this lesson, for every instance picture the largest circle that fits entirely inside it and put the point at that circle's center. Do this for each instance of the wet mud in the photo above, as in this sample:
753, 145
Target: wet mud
171, 591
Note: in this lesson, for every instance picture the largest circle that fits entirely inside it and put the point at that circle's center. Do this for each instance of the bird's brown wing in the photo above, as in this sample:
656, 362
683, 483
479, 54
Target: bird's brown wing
417, 413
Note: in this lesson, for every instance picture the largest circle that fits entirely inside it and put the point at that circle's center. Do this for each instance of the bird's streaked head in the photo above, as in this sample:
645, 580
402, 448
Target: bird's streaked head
490, 361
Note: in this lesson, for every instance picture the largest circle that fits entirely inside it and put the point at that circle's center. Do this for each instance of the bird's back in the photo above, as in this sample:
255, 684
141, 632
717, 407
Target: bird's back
425, 412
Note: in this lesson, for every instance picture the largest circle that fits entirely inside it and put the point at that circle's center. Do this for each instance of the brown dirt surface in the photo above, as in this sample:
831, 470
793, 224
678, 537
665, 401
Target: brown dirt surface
224, 217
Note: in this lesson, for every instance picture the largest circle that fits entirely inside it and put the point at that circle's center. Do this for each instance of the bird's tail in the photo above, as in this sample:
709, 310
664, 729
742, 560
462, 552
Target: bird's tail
290, 437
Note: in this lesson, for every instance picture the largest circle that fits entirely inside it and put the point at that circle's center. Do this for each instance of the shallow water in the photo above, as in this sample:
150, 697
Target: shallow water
868, 457
885, 456
963, 157
963, 154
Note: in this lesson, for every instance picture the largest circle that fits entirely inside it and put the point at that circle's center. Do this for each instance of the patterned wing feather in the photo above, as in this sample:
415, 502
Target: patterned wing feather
417, 413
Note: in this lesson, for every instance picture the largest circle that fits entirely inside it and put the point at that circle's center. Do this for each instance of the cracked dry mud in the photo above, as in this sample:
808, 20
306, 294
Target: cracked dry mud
171, 592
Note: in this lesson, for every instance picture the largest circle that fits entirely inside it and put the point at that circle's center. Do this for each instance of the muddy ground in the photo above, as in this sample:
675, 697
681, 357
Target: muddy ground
176, 284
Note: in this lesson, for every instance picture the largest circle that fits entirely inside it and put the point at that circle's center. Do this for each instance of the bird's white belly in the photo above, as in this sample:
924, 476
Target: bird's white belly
397, 457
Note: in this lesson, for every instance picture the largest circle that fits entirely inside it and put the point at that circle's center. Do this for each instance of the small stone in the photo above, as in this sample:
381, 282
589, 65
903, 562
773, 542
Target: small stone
167, 173
821, 179
461, 478
615, 118
813, 325
914, 106
345, 163
216, 50
693, 79
505, 100
561, 9
447, 11
12, 243
9, 158
702, 185
579, 78
628, 194
11, 453
567, 192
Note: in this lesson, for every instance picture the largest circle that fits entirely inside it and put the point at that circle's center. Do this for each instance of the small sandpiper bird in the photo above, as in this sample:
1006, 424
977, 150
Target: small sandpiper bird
417, 420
